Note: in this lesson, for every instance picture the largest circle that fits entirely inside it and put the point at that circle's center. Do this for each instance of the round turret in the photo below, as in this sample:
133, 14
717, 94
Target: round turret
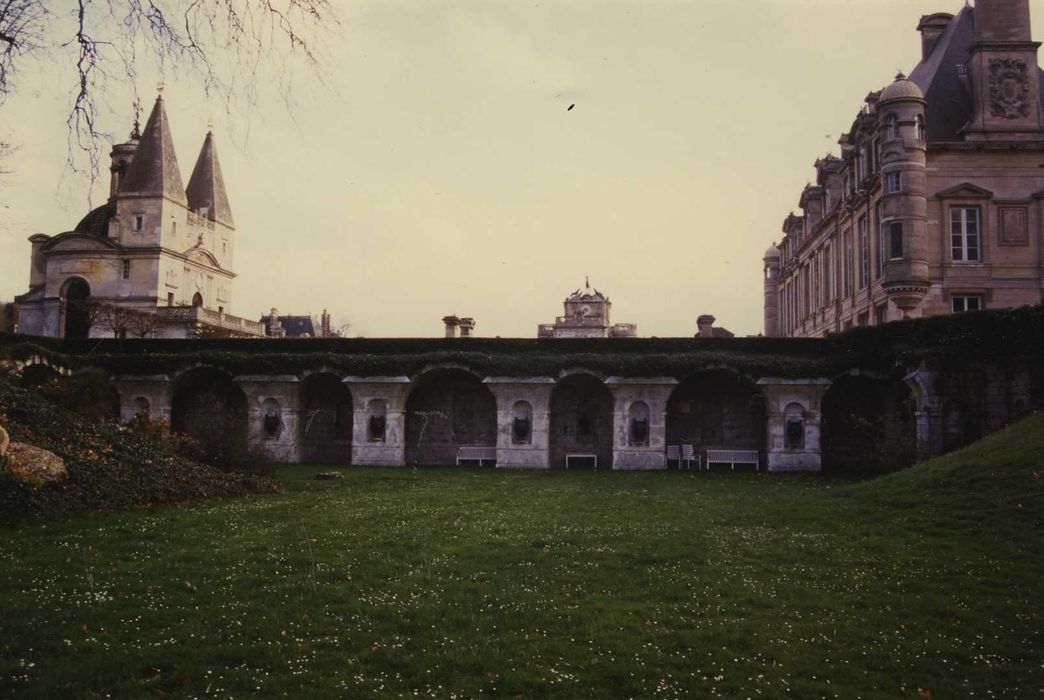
771, 253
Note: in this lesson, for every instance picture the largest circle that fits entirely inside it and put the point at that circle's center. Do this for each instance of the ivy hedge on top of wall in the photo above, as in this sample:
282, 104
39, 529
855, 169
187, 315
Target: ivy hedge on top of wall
893, 347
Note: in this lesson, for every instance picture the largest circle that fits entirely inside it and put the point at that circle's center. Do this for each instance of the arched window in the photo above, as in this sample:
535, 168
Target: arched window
197, 299
891, 127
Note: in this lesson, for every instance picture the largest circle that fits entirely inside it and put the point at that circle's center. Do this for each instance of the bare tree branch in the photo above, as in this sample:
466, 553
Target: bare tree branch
220, 44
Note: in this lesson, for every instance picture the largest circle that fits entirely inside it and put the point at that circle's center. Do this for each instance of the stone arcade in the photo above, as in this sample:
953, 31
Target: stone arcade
724, 395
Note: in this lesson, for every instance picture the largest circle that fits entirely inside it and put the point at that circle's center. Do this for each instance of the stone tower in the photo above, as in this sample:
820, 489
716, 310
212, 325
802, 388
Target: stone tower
904, 202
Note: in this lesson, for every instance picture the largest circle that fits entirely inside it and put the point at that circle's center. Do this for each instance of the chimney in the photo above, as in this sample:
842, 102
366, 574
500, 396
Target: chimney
451, 326
705, 325
931, 28
324, 325
37, 264
466, 326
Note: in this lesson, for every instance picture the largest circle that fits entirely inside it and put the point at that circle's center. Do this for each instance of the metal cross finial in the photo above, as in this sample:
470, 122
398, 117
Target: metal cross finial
159, 89
210, 123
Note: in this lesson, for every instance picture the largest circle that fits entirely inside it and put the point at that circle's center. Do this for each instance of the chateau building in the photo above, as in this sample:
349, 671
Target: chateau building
586, 316
155, 260
934, 204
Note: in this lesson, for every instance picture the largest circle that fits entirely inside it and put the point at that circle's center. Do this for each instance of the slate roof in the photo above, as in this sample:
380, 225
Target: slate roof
206, 187
154, 169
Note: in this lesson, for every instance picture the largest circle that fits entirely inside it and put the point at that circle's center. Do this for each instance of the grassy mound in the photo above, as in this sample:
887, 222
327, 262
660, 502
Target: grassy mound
110, 465
996, 482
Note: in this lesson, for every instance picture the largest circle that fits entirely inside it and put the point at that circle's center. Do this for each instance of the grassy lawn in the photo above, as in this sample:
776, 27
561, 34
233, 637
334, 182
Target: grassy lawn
467, 583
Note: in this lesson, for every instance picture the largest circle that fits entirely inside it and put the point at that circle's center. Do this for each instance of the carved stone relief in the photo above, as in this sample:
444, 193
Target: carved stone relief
1009, 88
1013, 229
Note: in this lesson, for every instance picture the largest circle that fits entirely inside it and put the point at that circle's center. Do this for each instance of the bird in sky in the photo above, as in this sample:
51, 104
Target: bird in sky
570, 107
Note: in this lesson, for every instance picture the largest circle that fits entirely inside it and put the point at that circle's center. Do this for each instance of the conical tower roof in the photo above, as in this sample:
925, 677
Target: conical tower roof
206, 188
154, 169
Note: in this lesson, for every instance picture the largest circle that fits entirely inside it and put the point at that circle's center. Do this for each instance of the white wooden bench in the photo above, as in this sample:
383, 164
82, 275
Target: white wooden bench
582, 455
733, 457
476, 454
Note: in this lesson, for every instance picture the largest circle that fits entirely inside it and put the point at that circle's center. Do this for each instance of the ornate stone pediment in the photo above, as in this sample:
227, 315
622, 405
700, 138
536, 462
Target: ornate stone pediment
78, 241
964, 190
198, 254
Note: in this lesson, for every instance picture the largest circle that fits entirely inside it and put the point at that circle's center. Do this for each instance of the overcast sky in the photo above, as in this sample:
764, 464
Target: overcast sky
439, 172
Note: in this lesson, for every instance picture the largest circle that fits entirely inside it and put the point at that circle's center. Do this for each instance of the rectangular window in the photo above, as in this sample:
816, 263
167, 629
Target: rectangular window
965, 234
894, 182
881, 314
138, 222
966, 302
895, 239
126, 269
863, 319
864, 253
170, 298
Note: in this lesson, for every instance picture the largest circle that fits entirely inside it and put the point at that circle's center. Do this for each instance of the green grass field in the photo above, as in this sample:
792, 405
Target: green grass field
466, 583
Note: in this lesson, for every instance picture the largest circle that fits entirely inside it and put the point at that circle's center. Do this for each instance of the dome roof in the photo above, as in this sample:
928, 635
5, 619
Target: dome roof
772, 252
96, 223
901, 89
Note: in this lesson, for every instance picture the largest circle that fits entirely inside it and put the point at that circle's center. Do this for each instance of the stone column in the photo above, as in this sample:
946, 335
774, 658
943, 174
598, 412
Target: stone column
135, 392
798, 399
653, 392
379, 396
928, 413
536, 392
272, 414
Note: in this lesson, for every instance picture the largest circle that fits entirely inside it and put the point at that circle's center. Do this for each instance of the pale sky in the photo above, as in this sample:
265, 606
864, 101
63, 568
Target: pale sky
439, 172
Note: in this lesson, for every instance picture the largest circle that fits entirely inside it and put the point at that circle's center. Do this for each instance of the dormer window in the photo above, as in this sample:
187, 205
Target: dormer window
138, 222
891, 127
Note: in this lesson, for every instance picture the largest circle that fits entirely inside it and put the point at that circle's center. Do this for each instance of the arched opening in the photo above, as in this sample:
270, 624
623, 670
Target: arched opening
325, 419
210, 408
522, 423
794, 427
448, 409
142, 407
717, 410
962, 424
197, 299
39, 376
76, 299
581, 423
638, 424
867, 425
